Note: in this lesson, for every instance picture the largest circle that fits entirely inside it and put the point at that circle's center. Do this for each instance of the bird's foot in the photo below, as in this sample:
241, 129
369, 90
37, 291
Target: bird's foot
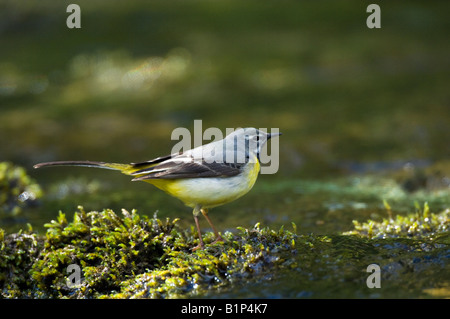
201, 245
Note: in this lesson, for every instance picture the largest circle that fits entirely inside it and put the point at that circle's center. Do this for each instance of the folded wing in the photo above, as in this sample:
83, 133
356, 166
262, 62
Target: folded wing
182, 166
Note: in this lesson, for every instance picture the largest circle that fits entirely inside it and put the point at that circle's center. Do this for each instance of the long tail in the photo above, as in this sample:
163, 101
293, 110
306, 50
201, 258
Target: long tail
124, 168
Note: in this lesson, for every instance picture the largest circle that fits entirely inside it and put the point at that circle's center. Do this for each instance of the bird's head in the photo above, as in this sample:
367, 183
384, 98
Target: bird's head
249, 140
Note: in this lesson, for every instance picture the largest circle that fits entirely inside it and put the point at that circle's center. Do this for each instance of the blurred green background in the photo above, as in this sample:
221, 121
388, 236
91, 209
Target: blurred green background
364, 112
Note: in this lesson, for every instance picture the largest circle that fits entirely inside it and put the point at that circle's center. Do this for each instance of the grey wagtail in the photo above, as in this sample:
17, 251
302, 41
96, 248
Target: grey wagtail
203, 177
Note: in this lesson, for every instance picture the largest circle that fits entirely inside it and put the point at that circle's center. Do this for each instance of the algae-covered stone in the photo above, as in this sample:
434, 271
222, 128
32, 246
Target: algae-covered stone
18, 253
250, 255
412, 249
17, 189
420, 224
133, 256
109, 249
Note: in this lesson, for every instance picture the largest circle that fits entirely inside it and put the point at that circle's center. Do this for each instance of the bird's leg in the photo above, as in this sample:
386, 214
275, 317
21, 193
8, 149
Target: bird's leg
196, 212
218, 237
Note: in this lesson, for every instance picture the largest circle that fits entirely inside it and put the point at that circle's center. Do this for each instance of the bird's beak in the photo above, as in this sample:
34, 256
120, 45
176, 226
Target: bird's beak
270, 135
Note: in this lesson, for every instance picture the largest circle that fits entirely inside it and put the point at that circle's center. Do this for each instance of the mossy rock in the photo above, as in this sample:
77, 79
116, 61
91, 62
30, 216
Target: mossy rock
420, 224
134, 256
18, 252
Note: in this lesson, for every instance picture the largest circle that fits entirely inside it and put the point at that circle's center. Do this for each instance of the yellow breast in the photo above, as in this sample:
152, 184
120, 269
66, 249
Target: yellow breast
211, 191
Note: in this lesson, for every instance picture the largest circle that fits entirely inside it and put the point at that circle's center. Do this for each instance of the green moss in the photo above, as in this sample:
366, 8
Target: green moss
134, 256
252, 254
18, 253
420, 224
108, 248
17, 189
